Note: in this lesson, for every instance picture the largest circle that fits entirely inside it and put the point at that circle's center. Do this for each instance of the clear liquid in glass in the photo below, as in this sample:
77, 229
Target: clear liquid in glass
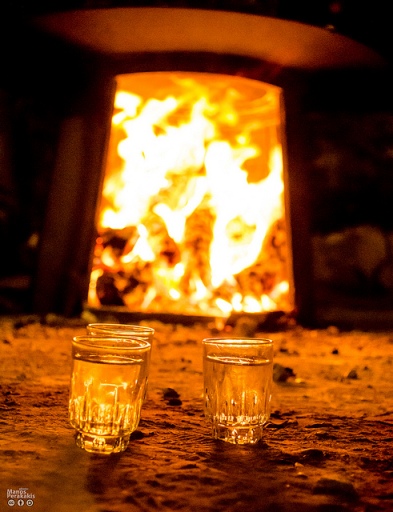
106, 400
237, 396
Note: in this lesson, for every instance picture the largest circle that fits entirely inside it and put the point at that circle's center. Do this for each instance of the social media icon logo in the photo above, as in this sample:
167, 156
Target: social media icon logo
21, 503
11, 503
29, 503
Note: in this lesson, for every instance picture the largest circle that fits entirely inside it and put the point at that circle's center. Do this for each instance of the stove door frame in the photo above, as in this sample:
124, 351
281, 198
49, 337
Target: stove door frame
64, 263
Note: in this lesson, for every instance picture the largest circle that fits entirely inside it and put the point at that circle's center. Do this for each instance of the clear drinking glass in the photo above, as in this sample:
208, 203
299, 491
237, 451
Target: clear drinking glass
108, 385
120, 330
238, 374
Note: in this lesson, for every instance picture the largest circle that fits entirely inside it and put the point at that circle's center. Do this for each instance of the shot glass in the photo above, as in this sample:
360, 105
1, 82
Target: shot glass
120, 330
108, 385
238, 374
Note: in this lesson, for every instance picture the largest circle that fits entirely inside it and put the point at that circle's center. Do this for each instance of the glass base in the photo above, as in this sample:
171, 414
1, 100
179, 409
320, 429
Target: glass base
101, 444
237, 434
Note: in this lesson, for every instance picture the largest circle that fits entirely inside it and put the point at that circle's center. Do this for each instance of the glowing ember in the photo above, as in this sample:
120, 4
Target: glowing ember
192, 214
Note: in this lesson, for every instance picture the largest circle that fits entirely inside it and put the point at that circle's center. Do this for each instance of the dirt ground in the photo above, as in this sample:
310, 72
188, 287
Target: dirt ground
327, 448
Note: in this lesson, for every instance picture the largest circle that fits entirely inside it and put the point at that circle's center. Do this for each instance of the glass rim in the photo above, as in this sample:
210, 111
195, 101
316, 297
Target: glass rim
108, 327
238, 341
111, 342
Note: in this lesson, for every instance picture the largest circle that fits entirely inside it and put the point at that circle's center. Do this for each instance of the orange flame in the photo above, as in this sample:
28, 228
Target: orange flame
194, 191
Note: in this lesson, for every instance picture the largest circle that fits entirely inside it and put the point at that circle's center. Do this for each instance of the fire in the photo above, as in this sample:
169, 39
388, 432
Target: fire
192, 213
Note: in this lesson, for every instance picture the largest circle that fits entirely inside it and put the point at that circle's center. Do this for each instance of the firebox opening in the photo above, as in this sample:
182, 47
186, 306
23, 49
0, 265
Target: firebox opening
191, 217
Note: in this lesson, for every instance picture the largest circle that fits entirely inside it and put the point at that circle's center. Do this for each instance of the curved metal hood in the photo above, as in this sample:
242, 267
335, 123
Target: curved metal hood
120, 31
